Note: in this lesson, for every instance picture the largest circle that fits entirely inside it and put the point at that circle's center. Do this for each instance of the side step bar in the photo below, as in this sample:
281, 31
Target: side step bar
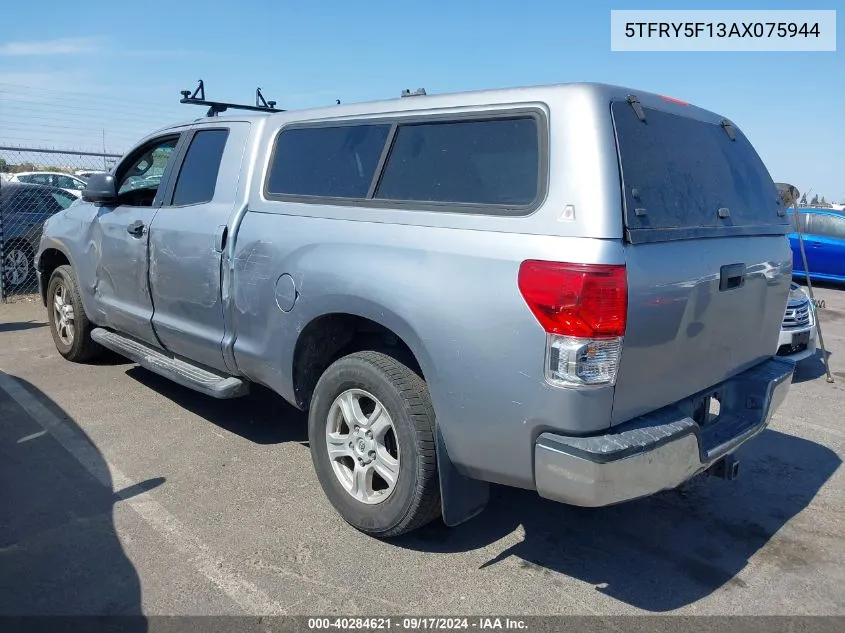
179, 371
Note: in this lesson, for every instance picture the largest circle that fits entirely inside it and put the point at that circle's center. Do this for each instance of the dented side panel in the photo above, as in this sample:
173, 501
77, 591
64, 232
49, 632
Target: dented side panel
119, 284
480, 348
186, 244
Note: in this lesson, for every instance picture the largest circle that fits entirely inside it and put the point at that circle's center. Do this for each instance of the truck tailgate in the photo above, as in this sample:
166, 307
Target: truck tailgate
707, 259
684, 334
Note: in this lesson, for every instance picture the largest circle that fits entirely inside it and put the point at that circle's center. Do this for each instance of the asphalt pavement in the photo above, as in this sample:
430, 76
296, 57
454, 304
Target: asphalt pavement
122, 493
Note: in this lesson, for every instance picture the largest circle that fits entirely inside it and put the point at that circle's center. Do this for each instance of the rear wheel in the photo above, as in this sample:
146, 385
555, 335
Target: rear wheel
69, 324
371, 432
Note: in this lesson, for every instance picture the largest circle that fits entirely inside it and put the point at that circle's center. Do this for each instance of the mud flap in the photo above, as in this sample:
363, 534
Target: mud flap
462, 497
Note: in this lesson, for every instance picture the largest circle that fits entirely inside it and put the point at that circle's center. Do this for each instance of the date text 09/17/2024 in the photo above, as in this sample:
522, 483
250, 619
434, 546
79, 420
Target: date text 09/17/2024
416, 623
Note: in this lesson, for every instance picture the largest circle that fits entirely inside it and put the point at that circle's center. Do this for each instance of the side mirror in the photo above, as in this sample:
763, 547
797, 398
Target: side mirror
789, 194
100, 188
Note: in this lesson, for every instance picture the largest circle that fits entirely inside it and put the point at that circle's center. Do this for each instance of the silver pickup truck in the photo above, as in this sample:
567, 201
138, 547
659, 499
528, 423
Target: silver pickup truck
574, 289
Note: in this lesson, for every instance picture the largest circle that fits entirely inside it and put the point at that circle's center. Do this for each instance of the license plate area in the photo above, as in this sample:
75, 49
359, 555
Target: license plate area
801, 339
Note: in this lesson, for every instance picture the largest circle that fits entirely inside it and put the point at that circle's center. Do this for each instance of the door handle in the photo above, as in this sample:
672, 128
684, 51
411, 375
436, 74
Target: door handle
136, 229
731, 276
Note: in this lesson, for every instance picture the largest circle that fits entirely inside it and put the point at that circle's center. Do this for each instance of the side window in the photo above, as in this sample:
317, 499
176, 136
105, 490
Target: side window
137, 182
66, 182
198, 175
63, 199
828, 226
40, 203
337, 161
25, 178
489, 162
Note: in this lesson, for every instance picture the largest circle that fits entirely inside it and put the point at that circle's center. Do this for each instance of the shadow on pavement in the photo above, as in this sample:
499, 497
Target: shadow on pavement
658, 554
663, 552
59, 550
811, 368
19, 326
262, 416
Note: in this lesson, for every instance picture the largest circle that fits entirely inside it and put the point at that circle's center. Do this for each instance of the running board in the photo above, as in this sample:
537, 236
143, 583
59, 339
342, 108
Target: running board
179, 371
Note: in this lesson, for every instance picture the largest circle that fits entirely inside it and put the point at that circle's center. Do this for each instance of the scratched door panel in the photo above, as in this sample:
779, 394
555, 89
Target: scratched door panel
120, 234
186, 242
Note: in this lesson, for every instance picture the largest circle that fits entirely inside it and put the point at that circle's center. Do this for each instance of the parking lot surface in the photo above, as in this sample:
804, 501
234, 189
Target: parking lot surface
122, 493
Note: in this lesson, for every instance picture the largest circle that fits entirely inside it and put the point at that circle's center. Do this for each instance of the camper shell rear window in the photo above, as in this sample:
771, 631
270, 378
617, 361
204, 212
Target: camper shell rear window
684, 178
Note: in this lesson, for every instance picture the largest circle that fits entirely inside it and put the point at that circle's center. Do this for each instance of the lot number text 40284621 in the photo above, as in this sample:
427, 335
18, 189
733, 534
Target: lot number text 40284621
417, 623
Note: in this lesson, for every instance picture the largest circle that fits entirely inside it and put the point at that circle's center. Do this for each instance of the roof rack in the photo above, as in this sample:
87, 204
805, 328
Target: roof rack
216, 107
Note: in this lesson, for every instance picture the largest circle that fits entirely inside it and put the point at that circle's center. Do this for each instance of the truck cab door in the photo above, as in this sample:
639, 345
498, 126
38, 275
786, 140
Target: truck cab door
188, 237
119, 238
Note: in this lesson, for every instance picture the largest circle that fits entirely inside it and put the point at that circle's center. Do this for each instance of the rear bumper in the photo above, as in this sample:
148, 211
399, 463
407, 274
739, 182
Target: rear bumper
661, 450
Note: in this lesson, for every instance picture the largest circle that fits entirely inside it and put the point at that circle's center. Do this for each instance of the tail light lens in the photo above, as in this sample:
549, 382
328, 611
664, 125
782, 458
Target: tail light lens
583, 308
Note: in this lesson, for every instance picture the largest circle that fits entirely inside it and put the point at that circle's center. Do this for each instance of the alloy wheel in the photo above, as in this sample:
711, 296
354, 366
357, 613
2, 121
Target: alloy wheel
362, 446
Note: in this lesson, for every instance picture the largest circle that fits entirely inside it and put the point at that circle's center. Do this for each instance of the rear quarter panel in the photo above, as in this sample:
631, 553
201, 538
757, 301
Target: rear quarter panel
450, 294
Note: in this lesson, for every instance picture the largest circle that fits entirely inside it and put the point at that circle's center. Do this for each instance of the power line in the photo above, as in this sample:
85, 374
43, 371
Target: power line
29, 139
129, 125
55, 108
59, 130
17, 127
83, 94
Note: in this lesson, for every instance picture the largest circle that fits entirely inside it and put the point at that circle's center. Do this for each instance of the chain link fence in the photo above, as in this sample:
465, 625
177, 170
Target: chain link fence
35, 184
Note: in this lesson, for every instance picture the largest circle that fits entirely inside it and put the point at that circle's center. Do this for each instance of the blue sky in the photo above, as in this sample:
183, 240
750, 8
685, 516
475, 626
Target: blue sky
71, 71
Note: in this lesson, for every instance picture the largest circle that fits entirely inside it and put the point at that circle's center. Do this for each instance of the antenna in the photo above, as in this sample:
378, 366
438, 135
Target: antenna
216, 107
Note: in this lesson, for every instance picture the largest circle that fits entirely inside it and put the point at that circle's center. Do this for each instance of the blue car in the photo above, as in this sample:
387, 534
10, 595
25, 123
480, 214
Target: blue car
824, 243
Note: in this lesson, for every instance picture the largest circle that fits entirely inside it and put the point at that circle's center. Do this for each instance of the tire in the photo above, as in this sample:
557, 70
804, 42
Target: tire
405, 451
72, 335
18, 268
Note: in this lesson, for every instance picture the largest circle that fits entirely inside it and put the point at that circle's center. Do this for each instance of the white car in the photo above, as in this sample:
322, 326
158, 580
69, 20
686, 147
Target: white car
72, 184
798, 332
87, 173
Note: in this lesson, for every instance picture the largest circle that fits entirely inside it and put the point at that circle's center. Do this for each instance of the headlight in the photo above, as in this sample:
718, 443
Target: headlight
797, 293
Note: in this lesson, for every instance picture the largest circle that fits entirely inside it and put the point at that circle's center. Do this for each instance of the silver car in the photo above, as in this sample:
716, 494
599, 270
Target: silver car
798, 339
555, 288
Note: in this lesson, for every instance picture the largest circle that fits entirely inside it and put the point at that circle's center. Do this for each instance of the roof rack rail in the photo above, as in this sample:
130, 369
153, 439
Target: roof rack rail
216, 107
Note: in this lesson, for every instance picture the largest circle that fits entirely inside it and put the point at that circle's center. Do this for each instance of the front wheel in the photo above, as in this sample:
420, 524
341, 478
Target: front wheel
17, 266
371, 433
69, 324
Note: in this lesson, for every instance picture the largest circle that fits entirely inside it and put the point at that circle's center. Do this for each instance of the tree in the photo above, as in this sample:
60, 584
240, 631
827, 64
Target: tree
4, 166
815, 201
823, 202
804, 200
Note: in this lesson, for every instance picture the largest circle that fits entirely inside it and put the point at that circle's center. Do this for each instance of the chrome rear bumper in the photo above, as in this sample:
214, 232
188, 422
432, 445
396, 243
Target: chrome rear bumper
661, 450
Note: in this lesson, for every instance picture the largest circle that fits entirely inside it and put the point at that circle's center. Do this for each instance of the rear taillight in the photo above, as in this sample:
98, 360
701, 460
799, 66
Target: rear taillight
583, 308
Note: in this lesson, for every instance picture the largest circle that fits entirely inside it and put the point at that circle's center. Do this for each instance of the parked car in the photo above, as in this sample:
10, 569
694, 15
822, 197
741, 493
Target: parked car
85, 174
824, 243
71, 184
510, 286
24, 208
798, 337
